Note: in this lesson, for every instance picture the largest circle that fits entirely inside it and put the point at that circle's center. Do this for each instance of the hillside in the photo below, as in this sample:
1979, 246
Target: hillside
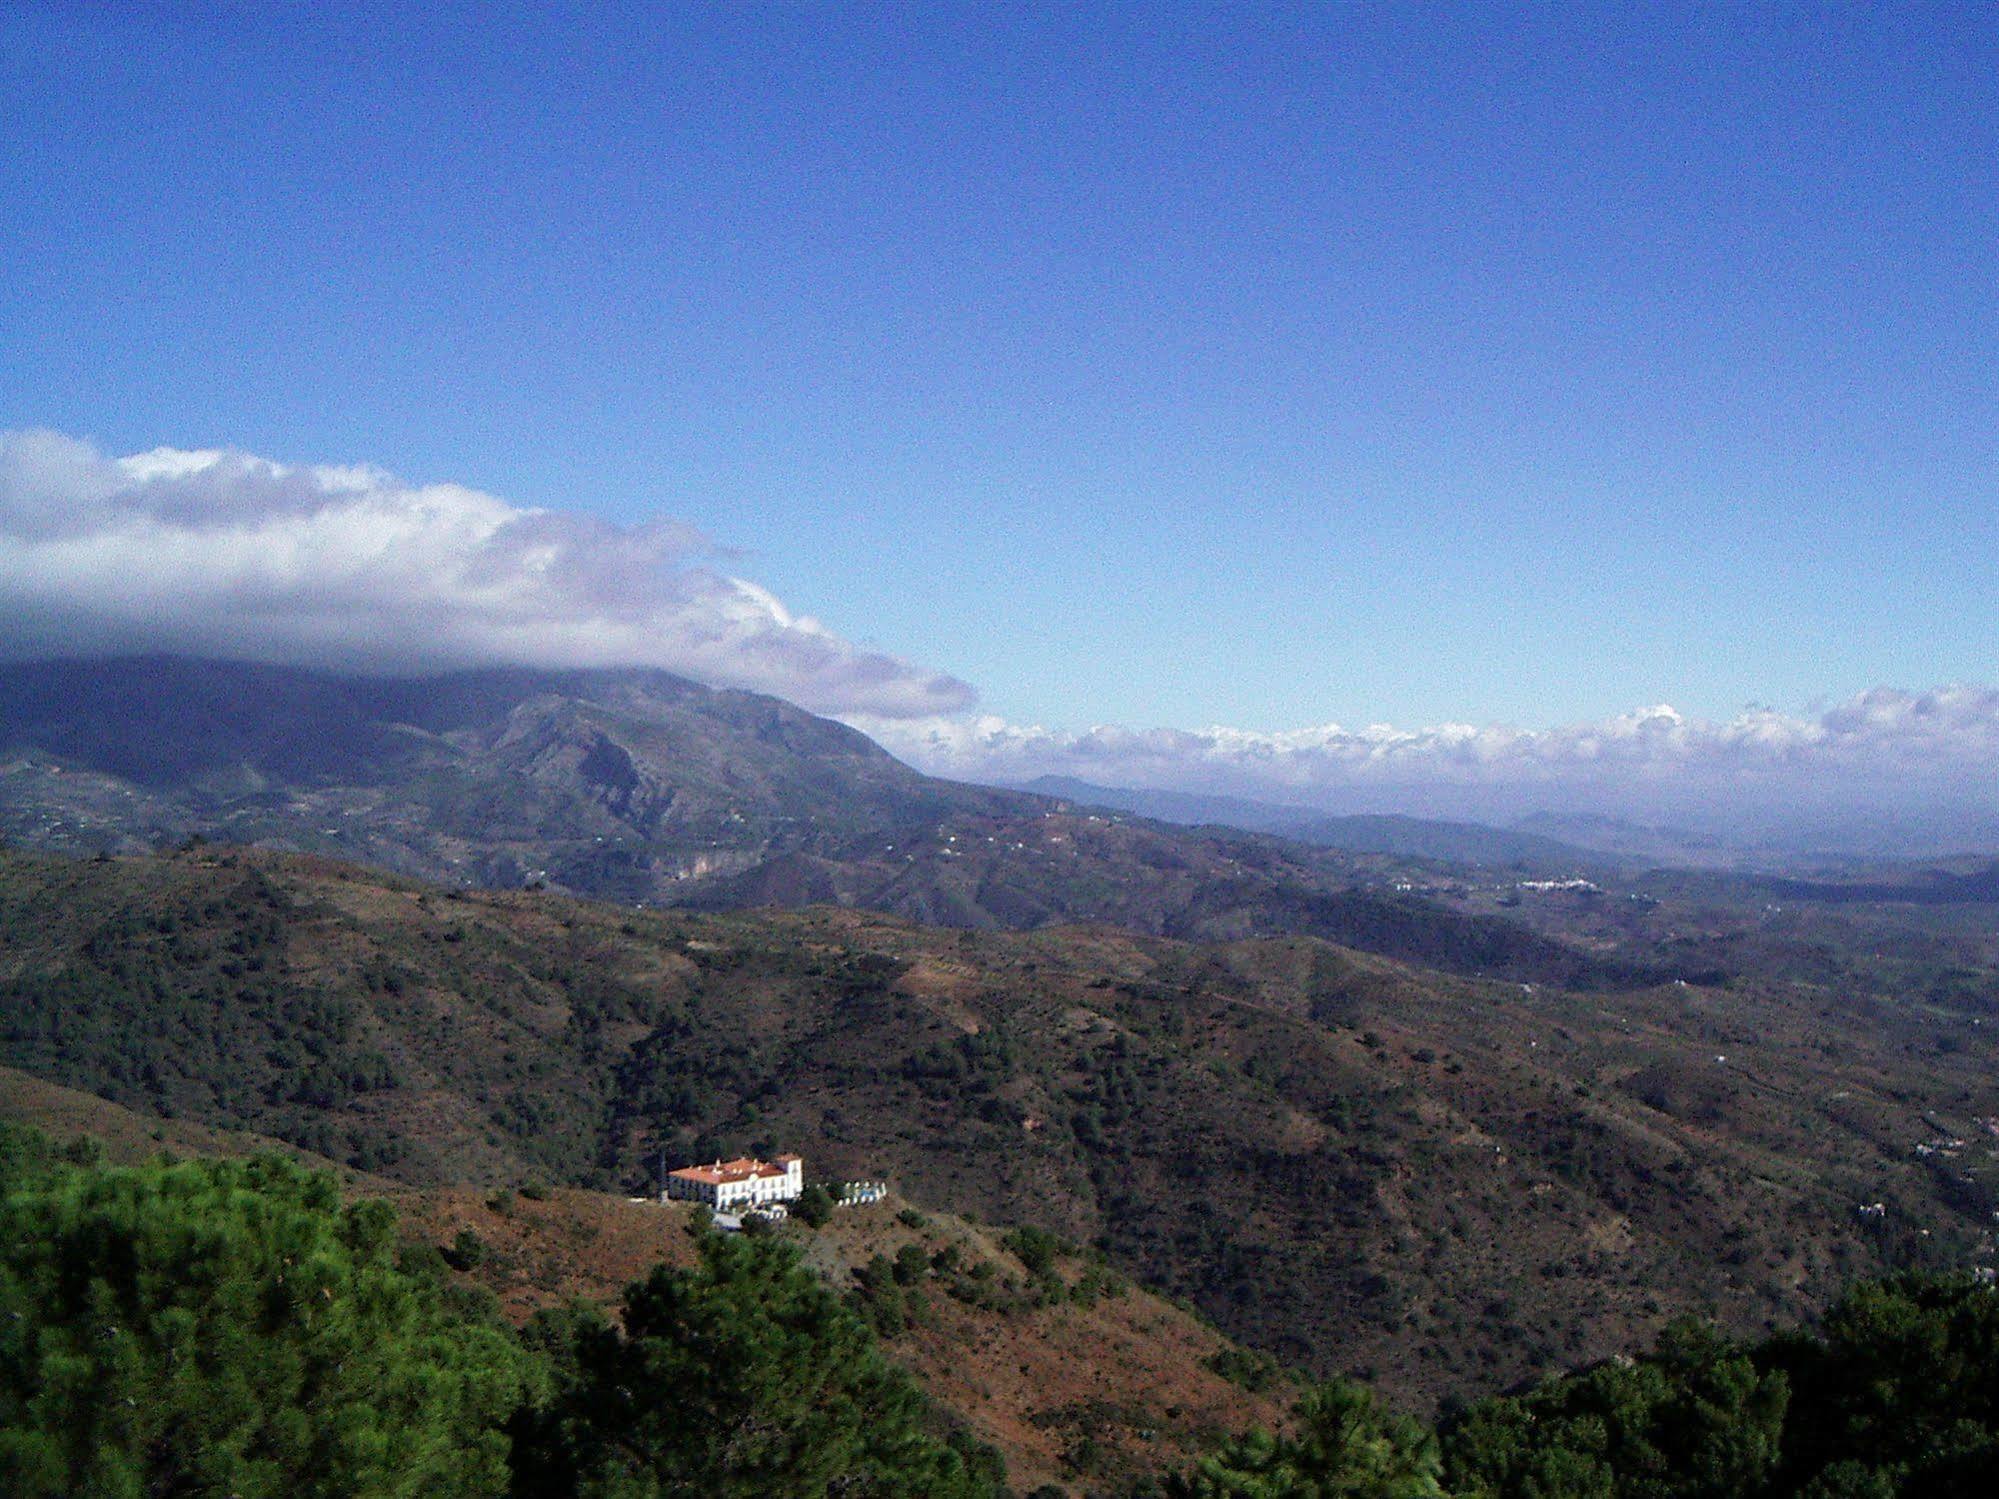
1351, 1162
644, 788
1065, 866
1110, 1385
1105, 1385
619, 783
343, 1350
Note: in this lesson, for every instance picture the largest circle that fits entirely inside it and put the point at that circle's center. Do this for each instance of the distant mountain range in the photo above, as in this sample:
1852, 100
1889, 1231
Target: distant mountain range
1387, 833
1551, 843
1637, 843
644, 788
618, 783
1352, 1104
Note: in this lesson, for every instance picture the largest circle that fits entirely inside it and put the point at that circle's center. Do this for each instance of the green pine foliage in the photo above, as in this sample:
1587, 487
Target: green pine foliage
1346, 1445
743, 1377
231, 1328
814, 1206
1895, 1397
234, 1328
1899, 1394
1696, 1420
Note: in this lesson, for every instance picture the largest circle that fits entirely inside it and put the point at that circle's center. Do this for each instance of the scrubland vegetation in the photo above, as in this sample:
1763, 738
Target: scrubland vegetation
234, 1327
1443, 1184
237, 1327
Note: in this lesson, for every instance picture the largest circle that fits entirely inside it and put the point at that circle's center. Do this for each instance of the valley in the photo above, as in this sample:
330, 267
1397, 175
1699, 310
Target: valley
1445, 1109
1443, 1183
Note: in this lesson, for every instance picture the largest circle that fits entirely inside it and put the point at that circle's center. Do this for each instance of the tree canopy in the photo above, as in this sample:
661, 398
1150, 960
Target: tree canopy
237, 1328
1346, 1445
742, 1377
231, 1327
1895, 1396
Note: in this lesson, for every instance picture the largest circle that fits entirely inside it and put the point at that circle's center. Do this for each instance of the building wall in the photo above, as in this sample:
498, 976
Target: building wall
749, 1192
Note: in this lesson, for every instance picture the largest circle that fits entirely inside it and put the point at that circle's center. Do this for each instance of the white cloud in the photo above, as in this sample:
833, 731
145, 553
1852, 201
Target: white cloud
1883, 751
223, 553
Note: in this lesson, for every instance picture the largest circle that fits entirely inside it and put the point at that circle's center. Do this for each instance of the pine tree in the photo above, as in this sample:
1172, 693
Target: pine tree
1346, 1446
232, 1328
743, 1377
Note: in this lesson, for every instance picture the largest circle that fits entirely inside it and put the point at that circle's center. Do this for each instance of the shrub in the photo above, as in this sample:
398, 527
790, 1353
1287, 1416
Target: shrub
814, 1206
467, 1251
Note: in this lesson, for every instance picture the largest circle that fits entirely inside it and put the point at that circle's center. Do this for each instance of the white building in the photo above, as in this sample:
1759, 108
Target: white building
735, 1185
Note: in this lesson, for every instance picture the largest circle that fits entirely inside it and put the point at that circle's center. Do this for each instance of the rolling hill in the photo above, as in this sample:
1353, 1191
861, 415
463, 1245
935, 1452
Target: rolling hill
1355, 1163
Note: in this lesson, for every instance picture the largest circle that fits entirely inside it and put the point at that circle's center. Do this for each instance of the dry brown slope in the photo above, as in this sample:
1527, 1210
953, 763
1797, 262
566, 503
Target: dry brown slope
1449, 1183
1121, 1384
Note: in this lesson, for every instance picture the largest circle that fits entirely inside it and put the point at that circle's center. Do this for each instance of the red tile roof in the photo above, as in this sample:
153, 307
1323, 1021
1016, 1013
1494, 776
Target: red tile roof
732, 1171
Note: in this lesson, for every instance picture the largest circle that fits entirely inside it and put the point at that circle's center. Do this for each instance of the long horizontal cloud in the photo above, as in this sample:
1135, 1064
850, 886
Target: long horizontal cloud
223, 553
1882, 750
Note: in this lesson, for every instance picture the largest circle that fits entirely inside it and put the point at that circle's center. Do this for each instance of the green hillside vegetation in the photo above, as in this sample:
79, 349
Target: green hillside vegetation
1895, 1397
1061, 1368
1935, 957
235, 1327
1353, 1164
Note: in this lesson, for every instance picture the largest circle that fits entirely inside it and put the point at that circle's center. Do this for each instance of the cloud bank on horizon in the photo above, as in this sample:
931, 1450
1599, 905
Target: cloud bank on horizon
228, 554
1884, 753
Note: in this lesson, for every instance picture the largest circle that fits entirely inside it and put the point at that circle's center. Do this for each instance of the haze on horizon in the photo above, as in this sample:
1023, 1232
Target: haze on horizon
1398, 409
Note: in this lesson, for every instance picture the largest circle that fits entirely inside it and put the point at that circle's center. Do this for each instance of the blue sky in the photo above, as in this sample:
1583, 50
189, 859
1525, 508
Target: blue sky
1158, 365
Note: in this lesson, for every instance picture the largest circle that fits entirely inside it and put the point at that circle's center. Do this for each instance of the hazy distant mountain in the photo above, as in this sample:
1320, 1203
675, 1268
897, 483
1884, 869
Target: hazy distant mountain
1187, 807
1405, 837
642, 787
1634, 842
1943, 882
1805, 844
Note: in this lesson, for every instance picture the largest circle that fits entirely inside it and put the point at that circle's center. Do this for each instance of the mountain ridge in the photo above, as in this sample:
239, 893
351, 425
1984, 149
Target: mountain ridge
648, 789
1440, 839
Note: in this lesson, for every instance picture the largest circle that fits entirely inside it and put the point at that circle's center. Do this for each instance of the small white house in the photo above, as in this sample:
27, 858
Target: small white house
732, 1186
